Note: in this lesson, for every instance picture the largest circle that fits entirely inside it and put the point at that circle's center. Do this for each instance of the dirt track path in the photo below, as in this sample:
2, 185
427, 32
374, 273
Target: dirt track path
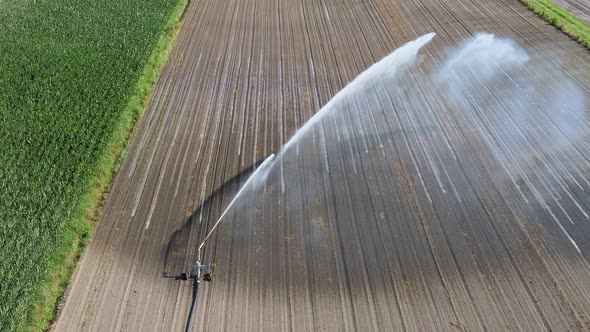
423, 237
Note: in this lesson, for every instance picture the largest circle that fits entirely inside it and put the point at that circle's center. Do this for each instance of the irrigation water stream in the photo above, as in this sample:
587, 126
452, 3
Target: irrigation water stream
493, 68
382, 72
471, 66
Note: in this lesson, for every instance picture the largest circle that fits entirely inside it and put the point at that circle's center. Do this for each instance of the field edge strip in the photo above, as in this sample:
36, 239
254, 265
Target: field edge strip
561, 19
44, 311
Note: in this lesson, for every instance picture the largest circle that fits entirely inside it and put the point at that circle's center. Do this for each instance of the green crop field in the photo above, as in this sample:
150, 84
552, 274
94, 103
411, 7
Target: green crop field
69, 74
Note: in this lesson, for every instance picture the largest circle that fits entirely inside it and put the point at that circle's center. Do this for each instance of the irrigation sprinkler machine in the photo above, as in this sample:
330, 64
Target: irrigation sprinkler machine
199, 270
404, 55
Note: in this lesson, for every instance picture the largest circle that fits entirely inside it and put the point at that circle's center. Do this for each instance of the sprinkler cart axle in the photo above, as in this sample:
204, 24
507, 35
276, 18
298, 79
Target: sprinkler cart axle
196, 270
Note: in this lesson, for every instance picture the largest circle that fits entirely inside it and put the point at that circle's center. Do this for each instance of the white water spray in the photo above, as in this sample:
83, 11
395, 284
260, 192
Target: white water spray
485, 56
479, 82
386, 69
244, 188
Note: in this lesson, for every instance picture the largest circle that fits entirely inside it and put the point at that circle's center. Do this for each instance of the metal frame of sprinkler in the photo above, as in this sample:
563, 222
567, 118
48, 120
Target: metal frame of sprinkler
198, 270
195, 270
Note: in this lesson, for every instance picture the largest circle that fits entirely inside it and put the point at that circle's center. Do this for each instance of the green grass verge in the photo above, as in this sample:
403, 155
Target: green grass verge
75, 78
562, 19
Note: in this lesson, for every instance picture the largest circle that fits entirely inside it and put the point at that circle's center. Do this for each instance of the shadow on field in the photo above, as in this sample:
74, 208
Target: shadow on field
177, 249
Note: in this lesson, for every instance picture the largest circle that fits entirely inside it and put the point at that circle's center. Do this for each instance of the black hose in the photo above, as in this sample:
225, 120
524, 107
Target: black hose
193, 304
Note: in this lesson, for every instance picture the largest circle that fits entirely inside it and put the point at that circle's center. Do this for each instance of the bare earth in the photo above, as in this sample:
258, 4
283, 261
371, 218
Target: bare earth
413, 225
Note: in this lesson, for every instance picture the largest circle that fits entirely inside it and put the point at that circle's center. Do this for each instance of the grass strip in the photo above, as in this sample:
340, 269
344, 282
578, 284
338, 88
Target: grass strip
562, 19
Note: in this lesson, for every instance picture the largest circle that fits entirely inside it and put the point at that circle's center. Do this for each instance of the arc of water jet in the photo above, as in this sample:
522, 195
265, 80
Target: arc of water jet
250, 179
388, 66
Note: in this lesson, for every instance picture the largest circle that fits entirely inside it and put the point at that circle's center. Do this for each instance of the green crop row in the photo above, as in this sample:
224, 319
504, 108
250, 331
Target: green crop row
562, 19
68, 71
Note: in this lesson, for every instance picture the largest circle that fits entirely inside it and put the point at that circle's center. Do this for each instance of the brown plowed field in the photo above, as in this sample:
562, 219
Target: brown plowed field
416, 222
